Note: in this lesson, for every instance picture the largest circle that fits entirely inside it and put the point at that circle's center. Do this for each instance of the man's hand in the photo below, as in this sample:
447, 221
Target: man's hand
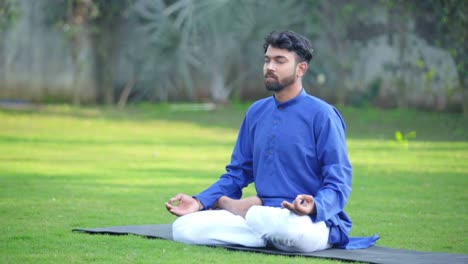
302, 205
183, 204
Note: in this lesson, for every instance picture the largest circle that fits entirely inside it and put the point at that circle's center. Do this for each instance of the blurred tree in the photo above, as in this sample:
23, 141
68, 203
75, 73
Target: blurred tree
224, 45
211, 49
98, 20
9, 13
340, 26
73, 16
398, 30
167, 41
333, 17
106, 36
208, 39
445, 24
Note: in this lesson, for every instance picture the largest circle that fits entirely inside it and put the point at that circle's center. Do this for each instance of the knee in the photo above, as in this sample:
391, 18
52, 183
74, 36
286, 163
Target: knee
265, 217
253, 217
198, 227
186, 230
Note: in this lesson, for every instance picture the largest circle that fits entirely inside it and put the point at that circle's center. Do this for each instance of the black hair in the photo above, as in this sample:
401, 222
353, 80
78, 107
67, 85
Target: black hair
291, 41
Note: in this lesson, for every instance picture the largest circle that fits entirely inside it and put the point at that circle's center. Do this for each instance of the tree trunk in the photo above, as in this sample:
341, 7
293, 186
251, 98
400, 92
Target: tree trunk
3, 66
108, 84
76, 90
401, 82
126, 92
341, 86
104, 46
464, 97
219, 91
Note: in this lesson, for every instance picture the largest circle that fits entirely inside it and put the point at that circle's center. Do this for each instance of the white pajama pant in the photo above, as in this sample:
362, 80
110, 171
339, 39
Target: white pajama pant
262, 224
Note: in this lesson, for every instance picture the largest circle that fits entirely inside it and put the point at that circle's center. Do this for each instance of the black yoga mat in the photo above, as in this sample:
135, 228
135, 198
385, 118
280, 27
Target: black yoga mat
374, 254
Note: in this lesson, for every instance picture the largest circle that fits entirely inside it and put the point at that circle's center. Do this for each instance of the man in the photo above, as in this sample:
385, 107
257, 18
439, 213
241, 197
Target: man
292, 147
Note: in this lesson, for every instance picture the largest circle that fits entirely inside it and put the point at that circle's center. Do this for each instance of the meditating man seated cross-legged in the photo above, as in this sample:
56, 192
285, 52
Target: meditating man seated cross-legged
292, 147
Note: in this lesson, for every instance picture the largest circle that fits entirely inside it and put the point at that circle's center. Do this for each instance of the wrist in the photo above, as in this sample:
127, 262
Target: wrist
314, 209
200, 205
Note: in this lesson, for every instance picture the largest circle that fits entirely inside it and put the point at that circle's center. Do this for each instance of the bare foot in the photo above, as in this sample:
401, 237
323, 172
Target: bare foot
238, 207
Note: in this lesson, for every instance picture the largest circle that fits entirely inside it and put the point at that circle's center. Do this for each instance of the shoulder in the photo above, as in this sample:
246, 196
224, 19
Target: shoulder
323, 111
318, 106
260, 105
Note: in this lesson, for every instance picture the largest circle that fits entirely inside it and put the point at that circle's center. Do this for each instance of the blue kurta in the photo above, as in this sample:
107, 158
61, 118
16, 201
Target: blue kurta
290, 148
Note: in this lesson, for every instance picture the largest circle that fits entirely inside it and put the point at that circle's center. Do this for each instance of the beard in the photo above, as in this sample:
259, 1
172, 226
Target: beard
276, 85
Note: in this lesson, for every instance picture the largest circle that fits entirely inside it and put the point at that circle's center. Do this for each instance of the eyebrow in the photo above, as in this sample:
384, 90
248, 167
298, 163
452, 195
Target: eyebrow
276, 57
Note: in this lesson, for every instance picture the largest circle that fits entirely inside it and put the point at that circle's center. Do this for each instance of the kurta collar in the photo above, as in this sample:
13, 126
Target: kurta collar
292, 101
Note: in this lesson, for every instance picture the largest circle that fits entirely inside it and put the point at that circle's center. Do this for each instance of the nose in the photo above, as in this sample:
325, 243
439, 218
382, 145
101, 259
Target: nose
269, 67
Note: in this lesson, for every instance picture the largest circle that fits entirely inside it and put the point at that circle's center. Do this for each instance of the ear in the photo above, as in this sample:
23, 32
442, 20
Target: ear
301, 69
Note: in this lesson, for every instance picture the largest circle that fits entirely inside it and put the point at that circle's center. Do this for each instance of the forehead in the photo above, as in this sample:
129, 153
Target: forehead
273, 52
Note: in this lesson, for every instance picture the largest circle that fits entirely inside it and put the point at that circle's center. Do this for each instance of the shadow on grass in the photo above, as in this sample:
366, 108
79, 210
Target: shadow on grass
362, 123
201, 142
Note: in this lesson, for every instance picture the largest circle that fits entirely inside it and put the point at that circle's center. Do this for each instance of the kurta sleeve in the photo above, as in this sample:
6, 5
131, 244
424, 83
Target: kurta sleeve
334, 163
239, 172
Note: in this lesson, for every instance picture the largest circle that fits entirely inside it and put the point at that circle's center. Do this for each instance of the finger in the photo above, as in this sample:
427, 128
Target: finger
176, 198
309, 203
289, 206
302, 205
307, 198
175, 212
286, 205
298, 202
169, 206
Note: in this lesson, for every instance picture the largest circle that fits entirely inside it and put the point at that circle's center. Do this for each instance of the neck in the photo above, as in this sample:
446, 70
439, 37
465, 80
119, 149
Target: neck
289, 92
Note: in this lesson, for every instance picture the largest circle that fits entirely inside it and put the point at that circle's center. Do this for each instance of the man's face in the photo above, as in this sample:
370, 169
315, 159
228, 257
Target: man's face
279, 69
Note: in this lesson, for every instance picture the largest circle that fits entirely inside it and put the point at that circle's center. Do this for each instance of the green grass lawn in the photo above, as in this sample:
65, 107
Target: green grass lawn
63, 168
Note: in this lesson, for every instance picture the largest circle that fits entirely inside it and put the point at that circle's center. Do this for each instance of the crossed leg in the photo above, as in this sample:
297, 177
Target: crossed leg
288, 231
215, 227
284, 229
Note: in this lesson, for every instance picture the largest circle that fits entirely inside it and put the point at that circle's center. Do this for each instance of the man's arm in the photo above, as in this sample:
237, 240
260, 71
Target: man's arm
336, 170
239, 172
238, 175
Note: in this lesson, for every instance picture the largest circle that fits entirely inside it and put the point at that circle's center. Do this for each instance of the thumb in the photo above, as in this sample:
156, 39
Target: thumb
306, 198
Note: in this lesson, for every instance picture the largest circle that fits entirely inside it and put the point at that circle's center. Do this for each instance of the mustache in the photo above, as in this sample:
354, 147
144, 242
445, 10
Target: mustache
270, 75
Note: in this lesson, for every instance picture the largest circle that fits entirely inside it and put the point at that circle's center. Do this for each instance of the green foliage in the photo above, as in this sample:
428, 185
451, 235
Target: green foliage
211, 50
403, 139
448, 21
81, 19
215, 45
381, 124
70, 15
365, 98
67, 14
9, 13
